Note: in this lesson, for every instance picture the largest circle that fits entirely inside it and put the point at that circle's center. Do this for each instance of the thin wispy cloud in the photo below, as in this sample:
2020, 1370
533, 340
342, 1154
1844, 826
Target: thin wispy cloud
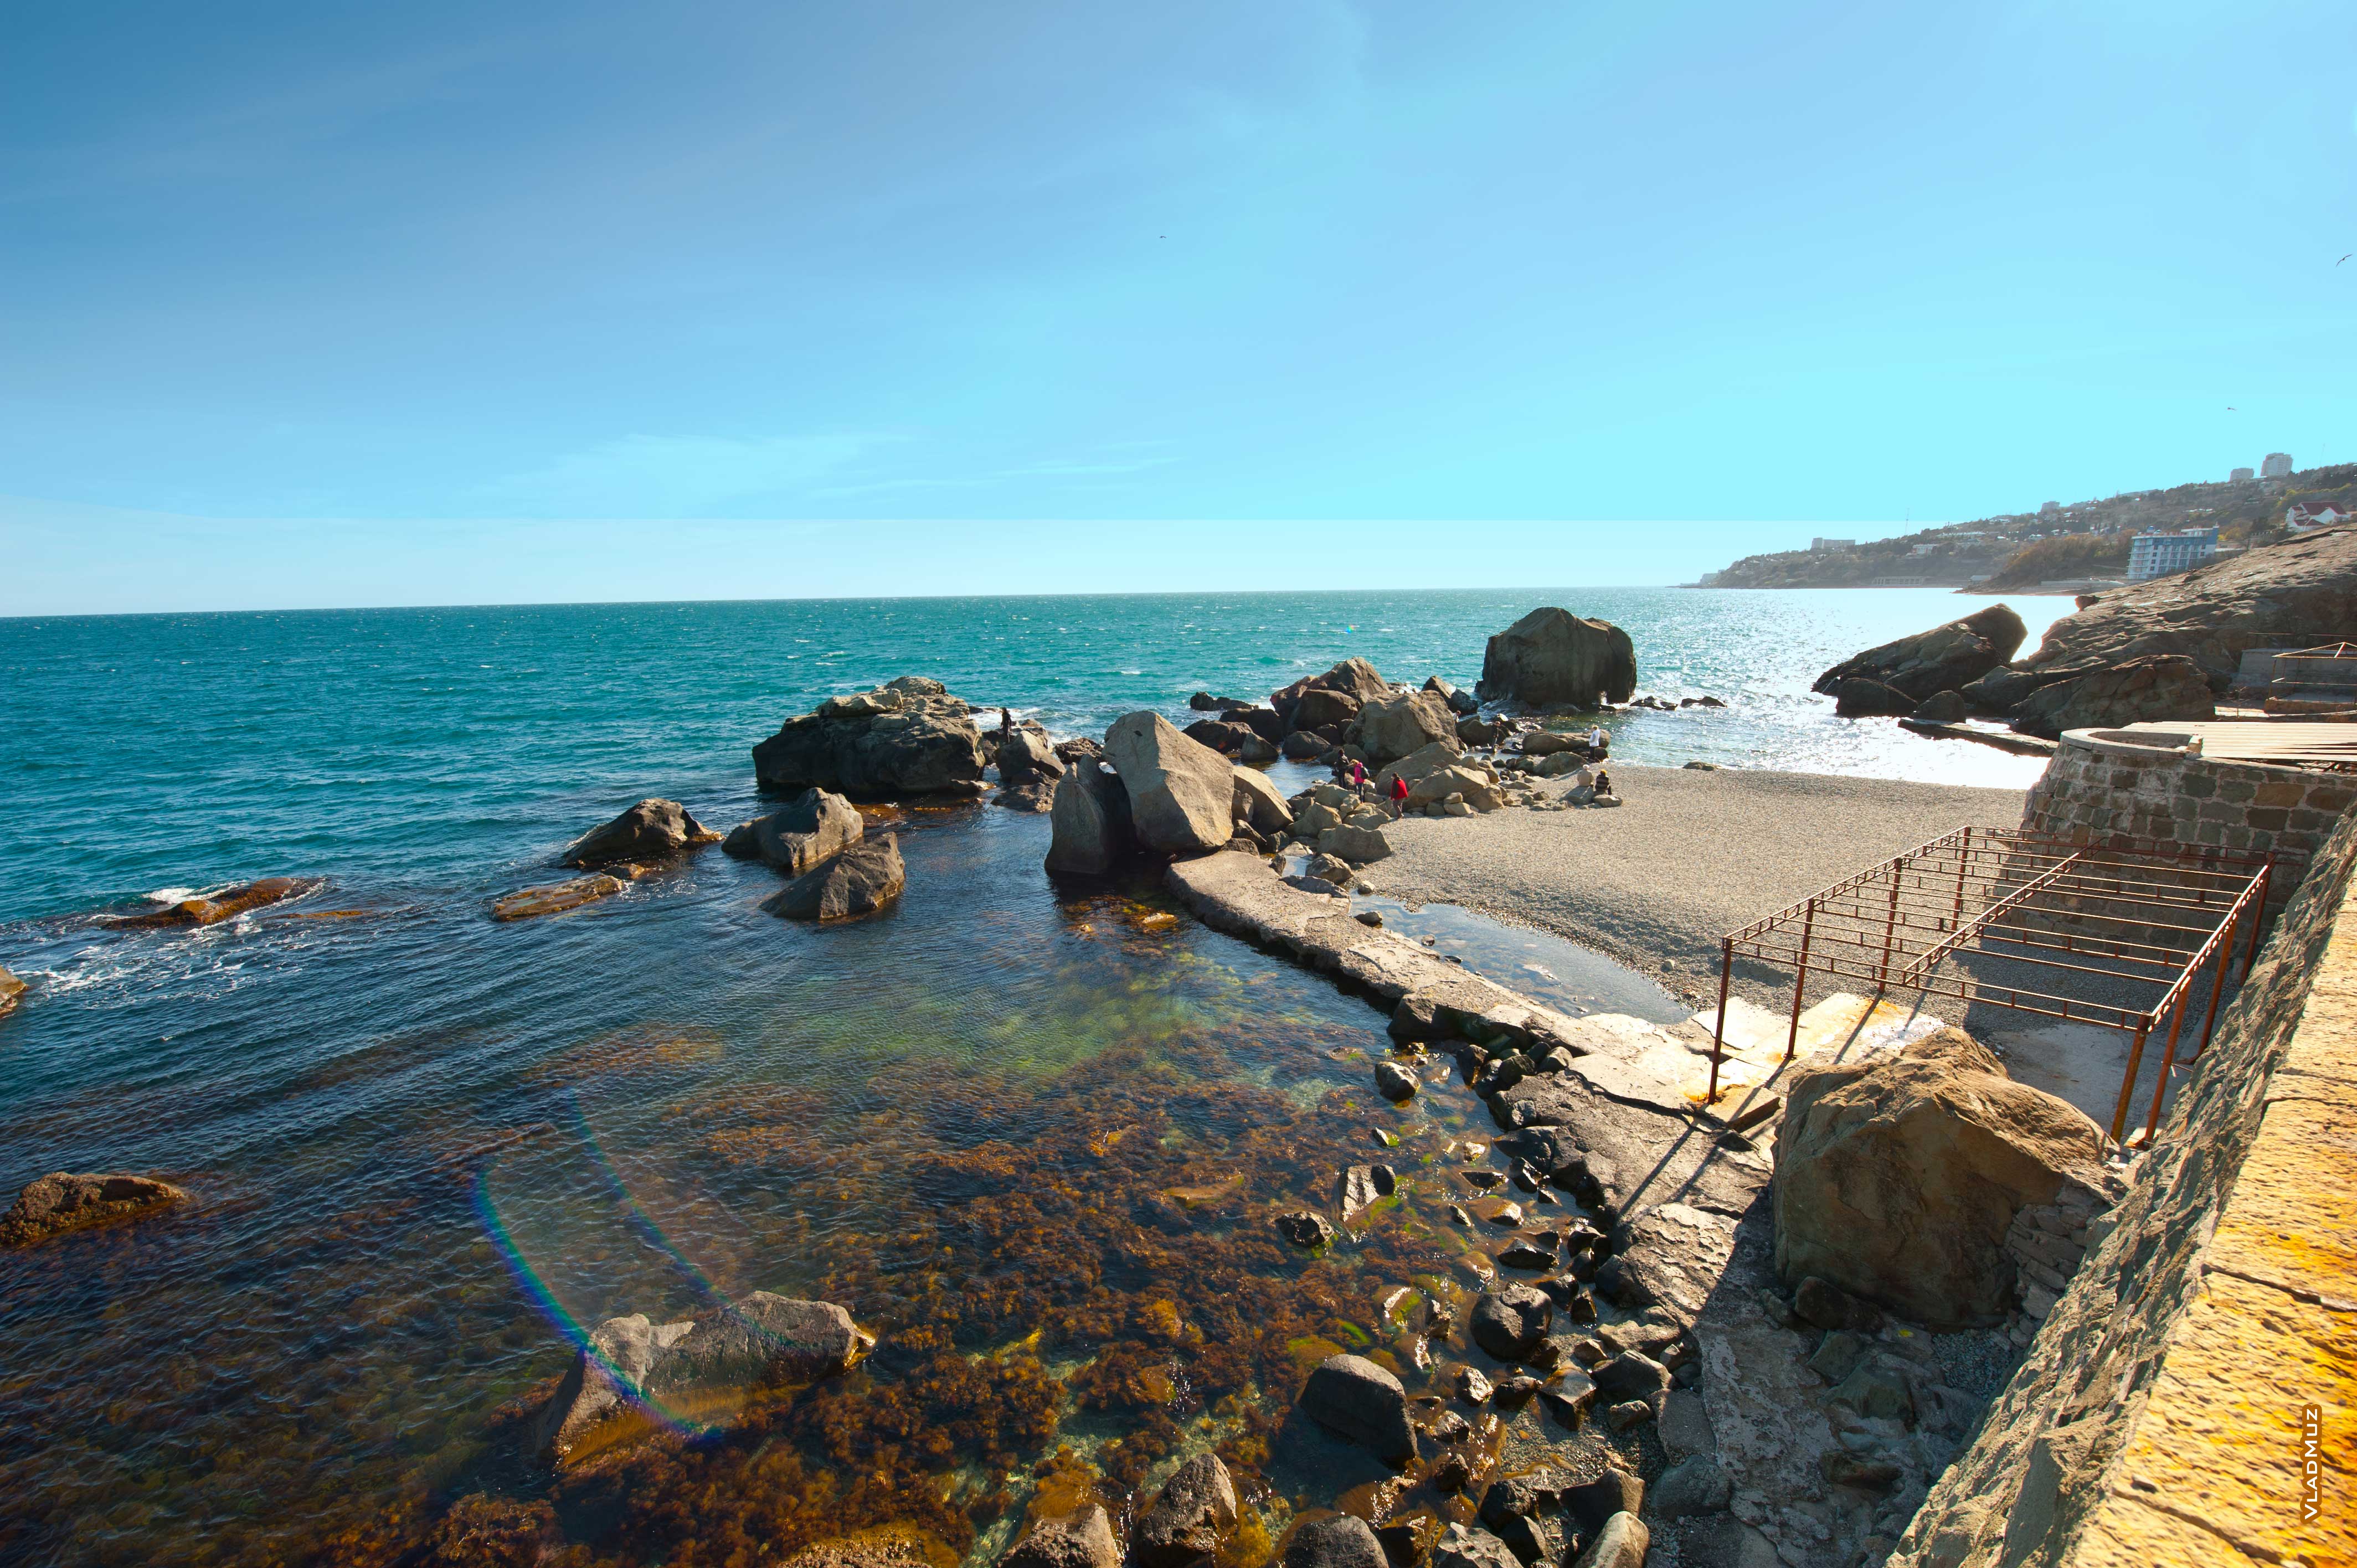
676, 476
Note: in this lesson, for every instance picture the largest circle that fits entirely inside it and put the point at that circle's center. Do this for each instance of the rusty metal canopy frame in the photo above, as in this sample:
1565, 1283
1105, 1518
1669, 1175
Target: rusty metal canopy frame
2085, 918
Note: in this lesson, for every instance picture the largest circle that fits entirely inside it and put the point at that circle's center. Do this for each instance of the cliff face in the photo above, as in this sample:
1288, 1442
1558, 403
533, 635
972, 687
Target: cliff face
2292, 594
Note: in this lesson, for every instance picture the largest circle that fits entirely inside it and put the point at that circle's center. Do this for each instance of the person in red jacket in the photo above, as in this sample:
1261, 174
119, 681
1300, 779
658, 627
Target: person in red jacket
1399, 794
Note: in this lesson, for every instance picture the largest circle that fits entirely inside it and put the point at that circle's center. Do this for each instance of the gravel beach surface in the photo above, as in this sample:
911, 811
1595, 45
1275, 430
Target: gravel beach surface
1689, 856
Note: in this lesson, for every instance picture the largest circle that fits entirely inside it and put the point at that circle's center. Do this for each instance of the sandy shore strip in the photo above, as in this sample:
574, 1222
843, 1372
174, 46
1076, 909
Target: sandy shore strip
1691, 855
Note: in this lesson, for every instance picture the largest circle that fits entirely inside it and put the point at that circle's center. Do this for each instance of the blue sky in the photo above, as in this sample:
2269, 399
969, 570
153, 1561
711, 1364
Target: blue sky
325, 304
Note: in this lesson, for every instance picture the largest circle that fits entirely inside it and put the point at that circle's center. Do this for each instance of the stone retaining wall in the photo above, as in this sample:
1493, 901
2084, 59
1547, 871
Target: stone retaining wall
2159, 1416
2105, 782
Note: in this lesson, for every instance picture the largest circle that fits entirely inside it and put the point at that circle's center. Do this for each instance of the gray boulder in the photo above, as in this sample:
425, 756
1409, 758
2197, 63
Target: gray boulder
1261, 804
1025, 754
718, 1355
1858, 697
861, 880
1088, 831
1622, 1543
1353, 677
1182, 794
1359, 846
1082, 1539
1399, 723
1551, 657
1353, 1397
909, 737
1940, 708
1941, 660
1345, 1540
815, 826
1322, 707
1458, 700
1194, 1513
1394, 1083
651, 830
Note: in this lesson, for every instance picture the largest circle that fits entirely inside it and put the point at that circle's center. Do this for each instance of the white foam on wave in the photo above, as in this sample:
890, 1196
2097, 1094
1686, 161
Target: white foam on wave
169, 895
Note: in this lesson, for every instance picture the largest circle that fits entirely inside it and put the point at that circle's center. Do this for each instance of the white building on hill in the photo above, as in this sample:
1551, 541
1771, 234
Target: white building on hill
2159, 554
2276, 465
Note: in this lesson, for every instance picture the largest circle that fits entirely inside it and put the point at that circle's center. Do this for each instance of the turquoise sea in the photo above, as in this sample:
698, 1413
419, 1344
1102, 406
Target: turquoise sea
425, 1148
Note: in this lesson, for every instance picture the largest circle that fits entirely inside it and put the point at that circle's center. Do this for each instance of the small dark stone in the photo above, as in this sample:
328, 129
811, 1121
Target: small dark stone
1304, 1228
1358, 1400
1518, 1390
1345, 1540
1527, 1253
1631, 1376
1592, 1502
1367, 917
1569, 1398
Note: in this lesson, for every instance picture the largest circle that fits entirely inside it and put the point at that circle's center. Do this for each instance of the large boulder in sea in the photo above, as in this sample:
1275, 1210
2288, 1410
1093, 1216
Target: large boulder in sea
63, 1201
1025, 755
1088, 830
1941, 660
1399, 723
1857, 697
909, 737
652, 830
2156, 686
1553, 659
1897, 1177
1352, 677
861, 880
11, 988
1181, 794
815, 825
703, 1367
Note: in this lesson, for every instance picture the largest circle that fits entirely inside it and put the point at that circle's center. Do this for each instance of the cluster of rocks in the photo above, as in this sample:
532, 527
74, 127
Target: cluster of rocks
1149, 790
820, 840
644, 838
701, 1369
2160, 650
63, 1201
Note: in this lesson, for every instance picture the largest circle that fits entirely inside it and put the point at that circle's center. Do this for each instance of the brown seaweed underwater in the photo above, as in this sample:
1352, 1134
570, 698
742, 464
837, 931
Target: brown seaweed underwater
1034, 1143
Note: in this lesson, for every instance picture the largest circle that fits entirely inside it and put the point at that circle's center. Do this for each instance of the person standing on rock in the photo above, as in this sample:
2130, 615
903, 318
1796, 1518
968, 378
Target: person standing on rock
1358, 774
1399, 795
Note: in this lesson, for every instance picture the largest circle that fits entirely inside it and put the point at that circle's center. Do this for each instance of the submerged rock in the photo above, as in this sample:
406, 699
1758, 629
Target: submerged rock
555, 898
815, 826
1037, 796
1181, 794
907, 737
1090, 829
1082, 1539
1194, 1514
213, 908
62, 1201
651, 830
1304, 1228
861, 880
701, 1367
1551, 657
1355, 1398
1343, 1540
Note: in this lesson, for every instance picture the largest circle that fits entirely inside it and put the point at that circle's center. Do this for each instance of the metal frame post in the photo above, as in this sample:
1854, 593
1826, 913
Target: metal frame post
2128, 1084
2167, 1061
2217, 986
2259, 914
1800, 980
1718, 1034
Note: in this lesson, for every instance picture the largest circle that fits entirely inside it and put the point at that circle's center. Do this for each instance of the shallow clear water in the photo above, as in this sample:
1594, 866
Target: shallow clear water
424, 1147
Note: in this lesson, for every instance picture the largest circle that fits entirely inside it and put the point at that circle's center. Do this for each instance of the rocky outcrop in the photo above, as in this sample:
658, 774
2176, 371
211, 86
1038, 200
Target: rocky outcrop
1192, 1518
1462, 703
11, 989
1319, 707
1182, 794
1025, 755
815, 826
1088, 830
211, 908
907, 737
1941, 660
555, 898
1553, 659
1342, 1541
1353, 678
62, 1201
2293, 595
651, 831
2156, 686
1354, 1398
1897, 1179
1399, 723
861, 880
699, 1368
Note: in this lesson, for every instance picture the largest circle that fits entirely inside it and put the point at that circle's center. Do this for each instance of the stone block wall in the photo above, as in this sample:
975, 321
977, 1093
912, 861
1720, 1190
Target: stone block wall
2158, 1415
2098, 786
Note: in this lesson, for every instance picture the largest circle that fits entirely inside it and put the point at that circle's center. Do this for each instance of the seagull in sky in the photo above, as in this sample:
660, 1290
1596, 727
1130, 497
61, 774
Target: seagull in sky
2345, 258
